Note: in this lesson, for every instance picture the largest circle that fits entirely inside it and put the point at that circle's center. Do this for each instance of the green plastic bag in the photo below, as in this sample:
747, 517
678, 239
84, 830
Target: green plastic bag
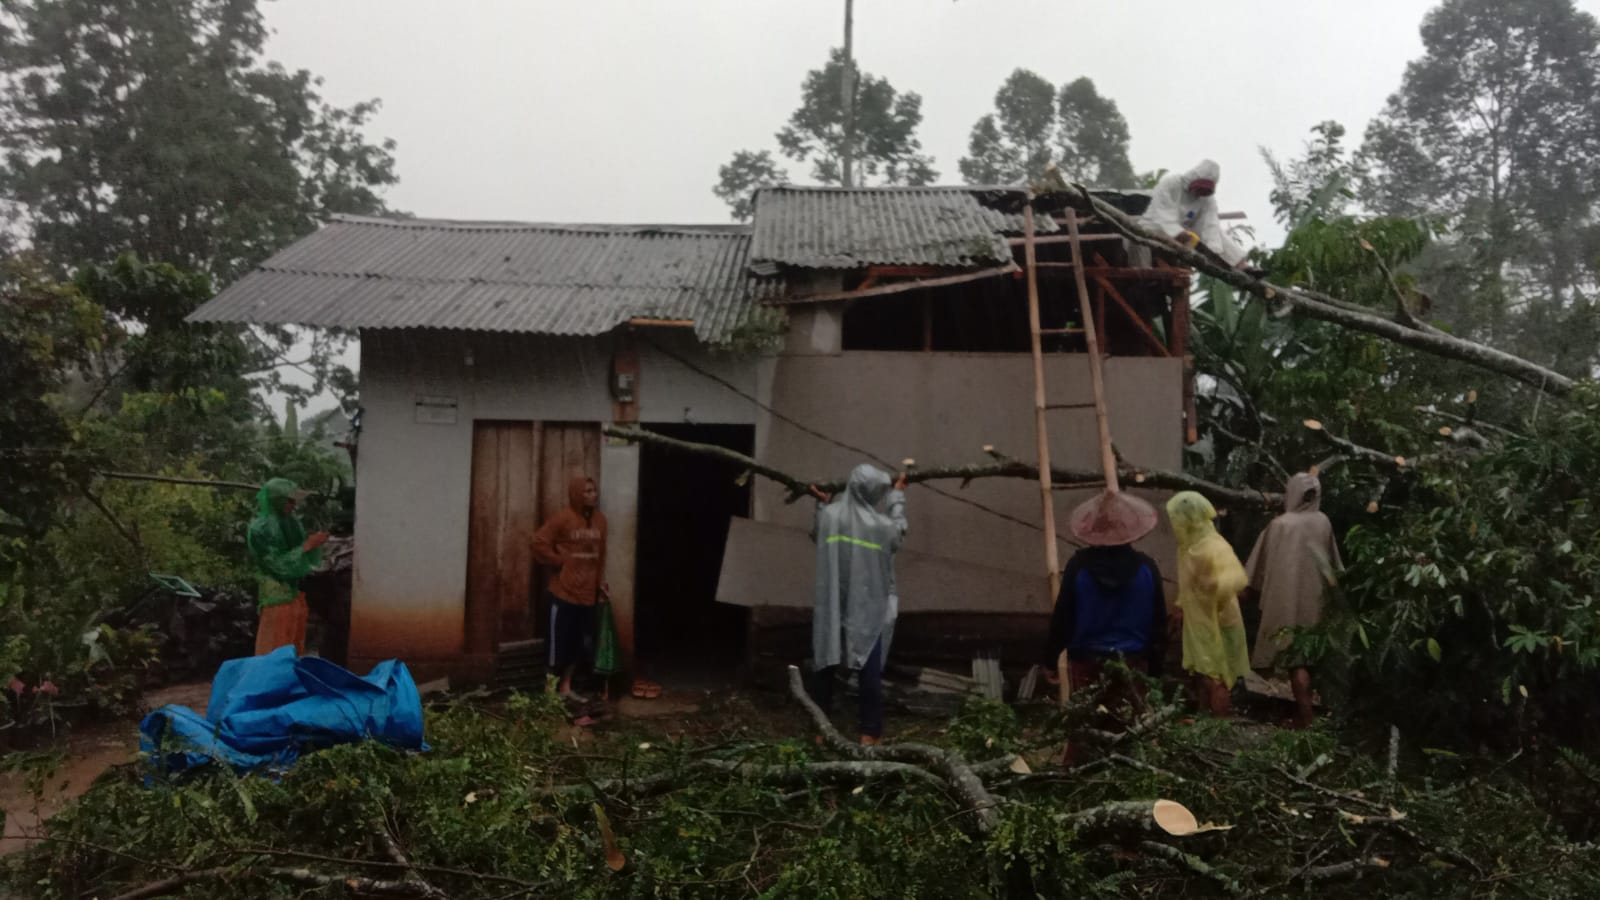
607, 652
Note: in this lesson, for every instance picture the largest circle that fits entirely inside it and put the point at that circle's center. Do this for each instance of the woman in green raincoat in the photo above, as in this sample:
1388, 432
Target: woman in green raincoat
283, 554
1210, 578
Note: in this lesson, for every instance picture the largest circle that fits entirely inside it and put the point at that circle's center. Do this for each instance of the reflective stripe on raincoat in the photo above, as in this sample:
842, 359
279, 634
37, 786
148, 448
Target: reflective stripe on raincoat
856, 601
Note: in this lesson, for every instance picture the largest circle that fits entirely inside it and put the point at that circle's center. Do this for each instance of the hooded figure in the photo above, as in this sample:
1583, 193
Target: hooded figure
856, 603
1294, 561
573, 541
1183, 207
283, 555
1209, 581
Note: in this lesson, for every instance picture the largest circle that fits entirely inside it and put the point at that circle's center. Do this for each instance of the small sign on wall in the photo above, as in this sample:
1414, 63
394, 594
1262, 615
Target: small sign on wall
435, 410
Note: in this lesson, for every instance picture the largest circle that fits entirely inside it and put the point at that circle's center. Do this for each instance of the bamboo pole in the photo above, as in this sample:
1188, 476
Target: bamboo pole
1041, 424
1108, 457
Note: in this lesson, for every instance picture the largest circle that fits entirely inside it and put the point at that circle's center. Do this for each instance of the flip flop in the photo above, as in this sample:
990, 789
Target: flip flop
652, 691
640, 689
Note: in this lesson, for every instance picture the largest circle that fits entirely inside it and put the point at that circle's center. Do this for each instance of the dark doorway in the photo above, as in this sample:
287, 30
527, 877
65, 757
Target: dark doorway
686, 503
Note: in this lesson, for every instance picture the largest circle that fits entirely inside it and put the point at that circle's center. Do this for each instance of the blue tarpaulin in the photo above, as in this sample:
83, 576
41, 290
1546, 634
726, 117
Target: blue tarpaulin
265, 711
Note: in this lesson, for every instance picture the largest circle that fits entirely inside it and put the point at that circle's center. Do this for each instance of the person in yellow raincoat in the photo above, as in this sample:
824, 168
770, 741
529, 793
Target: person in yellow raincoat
1210, 578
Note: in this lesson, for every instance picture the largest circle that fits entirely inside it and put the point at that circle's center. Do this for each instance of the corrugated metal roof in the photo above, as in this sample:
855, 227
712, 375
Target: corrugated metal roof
839, 228
488, 276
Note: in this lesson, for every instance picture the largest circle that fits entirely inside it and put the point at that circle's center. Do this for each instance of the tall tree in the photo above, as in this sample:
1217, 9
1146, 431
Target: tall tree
154, 126
1016, 141
1495, 131
886, 147
1033, 124
1094, 137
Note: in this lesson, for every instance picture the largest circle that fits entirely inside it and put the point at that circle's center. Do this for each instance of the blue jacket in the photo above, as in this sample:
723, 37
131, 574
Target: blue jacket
1111, 604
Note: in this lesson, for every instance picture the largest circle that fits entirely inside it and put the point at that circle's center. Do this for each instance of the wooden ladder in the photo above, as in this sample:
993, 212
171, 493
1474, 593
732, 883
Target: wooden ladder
1041, 406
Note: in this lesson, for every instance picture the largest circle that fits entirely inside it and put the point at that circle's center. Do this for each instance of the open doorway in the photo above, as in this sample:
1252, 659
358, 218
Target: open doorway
686, 503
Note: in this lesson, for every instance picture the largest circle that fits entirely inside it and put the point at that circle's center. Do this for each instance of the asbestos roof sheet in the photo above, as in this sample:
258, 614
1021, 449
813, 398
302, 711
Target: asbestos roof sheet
838, 228
358, 272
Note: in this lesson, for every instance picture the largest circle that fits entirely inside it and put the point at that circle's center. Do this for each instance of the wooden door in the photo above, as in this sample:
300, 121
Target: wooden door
519, 478
567, 450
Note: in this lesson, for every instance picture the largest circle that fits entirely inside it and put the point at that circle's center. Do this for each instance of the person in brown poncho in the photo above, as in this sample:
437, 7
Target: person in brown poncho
1293, 563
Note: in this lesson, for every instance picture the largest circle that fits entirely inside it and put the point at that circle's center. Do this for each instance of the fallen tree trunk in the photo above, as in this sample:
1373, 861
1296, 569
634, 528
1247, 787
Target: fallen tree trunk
1315, 305
999, 466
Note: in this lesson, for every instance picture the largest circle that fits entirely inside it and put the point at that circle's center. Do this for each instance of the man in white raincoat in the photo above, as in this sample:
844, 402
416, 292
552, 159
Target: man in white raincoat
856, 604
1183, 206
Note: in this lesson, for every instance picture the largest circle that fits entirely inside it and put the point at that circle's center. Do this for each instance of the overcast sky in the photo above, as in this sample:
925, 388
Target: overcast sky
622, 110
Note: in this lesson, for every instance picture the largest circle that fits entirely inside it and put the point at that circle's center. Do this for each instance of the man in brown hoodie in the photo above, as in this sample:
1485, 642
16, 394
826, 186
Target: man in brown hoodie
573, 541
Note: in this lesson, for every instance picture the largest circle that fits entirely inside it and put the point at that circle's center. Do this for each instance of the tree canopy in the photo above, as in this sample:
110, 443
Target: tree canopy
1033, 125
155, 127
1495, 134
886, 147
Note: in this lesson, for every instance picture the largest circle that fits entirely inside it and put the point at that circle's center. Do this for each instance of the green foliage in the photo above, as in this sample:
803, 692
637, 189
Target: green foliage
1479, 592
48, 331
984, 728
506, 794
153, 126
1033, 124
1320, 183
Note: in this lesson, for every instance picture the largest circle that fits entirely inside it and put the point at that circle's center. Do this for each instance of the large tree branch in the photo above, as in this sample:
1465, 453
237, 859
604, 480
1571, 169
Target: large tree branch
1319, 306
955, 770
999, 466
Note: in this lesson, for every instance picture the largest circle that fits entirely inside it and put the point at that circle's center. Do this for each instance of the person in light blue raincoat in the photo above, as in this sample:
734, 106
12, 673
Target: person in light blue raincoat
856, 602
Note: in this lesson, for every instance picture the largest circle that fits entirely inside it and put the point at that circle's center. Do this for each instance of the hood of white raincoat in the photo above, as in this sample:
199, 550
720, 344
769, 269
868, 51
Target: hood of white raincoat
856, 543
1207, 170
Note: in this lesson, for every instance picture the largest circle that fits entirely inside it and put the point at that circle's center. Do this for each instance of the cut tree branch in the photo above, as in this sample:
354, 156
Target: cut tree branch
999, 466
168, 479
957, 772
1314, 305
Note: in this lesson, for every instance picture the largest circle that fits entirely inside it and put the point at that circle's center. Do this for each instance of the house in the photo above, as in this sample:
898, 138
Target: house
841, 325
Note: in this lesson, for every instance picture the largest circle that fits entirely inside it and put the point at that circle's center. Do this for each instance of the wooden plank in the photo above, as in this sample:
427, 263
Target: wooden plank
518, 524
1116, 273
765, 565
1110, 290
897, 288
1180, 349
1063, 239
483, 571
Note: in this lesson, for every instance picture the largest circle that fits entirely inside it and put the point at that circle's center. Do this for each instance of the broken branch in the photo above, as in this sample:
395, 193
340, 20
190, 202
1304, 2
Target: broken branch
956, 770
1000, 466
1319, 306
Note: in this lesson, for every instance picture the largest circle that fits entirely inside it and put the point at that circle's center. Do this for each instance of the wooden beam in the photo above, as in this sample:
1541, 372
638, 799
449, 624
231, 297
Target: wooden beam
897, 288
1180, 349
1133, 315
1062, 239
1120, 273
661, 323
1102, 420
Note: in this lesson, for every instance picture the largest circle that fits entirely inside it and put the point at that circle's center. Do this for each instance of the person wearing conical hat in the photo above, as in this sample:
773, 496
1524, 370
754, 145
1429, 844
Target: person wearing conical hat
1111, 605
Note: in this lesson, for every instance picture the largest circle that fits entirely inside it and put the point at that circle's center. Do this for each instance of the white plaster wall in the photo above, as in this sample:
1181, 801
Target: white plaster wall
413, 491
